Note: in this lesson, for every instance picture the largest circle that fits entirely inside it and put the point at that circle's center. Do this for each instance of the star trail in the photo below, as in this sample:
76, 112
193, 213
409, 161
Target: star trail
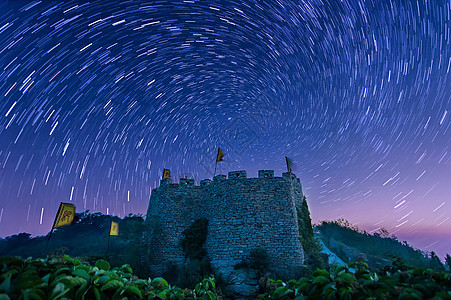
98, 97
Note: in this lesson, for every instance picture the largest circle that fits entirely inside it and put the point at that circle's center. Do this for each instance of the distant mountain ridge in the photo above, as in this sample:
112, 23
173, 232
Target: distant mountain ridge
378, 250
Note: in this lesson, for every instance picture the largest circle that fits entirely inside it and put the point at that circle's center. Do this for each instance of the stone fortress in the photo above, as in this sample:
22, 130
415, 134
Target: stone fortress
243, 214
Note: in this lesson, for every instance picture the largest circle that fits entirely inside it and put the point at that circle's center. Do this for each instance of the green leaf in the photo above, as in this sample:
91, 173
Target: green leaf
162, 294
81, 273
345, 294
102, 279
118, 294
320, 272
281, 290
198, 288
4, 297
321, 280
66, 271
76, 262
286, 292
76, 281
345, 277
112, 284
103, 264
126, 268
58, 291
46, 278
81, 292
339, 269
96, 293
133, 290
159, 282
36, 294
67, 280
28, 279
6, 284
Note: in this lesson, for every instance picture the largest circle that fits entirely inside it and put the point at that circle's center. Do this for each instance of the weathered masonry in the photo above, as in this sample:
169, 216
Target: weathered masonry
243, 214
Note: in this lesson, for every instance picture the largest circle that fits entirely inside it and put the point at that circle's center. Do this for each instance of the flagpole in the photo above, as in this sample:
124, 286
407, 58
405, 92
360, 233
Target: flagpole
108, 246
216, 164
48, 240
53, 227
109, 235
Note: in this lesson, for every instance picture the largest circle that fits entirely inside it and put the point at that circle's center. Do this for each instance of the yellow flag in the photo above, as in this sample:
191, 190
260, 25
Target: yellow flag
220, 155
166, 173
114, 228
65, 215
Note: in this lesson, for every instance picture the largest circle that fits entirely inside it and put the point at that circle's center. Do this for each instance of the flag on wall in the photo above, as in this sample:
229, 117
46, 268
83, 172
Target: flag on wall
289, 163
220, 155
166, 173
65, 215
114, 229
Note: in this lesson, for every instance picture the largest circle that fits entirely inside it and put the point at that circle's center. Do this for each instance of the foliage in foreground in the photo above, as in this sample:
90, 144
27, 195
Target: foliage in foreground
397, 282
62, 277
58, 277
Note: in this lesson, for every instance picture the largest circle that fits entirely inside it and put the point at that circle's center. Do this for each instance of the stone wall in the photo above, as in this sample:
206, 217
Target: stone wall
243, 213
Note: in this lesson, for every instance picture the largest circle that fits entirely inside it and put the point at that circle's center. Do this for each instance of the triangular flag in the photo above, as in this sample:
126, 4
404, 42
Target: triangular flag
220, 155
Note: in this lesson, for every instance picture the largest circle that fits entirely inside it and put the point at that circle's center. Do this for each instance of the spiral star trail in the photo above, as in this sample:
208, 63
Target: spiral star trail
98, 97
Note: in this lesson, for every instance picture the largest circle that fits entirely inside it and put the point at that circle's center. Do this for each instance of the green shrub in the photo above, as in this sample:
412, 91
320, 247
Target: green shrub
310, 245
342, 283
59, 277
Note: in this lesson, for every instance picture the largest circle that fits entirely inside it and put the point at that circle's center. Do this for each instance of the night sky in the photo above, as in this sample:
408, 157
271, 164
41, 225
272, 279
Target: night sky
98, 97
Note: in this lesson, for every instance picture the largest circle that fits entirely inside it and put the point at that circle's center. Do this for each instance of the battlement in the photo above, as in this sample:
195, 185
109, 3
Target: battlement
234, 175
186, 181
219, 178
205, 182
237, 175
266, 174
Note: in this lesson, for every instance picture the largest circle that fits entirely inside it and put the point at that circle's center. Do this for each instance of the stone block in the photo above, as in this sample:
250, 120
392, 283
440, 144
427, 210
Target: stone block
219, 178
205, 182
266, 174
187, 181
237, 175
165, 181
288, 175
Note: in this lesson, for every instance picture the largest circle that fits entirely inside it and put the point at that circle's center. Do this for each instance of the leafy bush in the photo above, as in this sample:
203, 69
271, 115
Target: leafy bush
310, 245
341, 283
63, 277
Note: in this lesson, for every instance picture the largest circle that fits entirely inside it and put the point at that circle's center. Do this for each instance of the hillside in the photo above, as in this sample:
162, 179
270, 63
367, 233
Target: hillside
377, 250
87, 237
